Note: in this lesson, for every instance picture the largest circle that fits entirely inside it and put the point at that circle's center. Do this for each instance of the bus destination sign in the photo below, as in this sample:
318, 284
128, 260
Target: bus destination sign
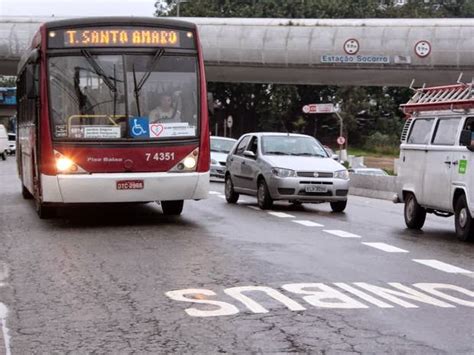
119, 37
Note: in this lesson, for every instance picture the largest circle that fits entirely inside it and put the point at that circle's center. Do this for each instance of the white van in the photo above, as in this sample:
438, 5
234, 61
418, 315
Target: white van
436, 172
3, 142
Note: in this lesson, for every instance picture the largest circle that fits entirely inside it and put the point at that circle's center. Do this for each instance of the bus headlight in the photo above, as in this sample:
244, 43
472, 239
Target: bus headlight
188, 164
64, 164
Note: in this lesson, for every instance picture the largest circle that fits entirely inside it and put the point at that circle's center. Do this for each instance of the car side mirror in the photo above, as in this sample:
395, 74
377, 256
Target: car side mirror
249, 154
335, 157
467, 139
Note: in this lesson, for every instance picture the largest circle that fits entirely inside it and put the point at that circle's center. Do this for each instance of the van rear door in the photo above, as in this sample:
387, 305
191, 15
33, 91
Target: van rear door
413, 157
439, 164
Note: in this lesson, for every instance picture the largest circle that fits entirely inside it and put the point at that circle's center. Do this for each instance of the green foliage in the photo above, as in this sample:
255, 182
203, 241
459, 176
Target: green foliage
7, 81
371, 114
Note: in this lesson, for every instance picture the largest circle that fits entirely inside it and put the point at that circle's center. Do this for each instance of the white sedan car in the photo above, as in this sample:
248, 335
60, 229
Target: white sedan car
220, 147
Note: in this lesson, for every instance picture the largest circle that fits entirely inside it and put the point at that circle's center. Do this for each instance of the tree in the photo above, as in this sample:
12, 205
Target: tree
7, 81
366, 110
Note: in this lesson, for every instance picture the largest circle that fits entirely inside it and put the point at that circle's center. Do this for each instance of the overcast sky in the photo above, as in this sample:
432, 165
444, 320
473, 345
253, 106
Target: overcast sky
77, 7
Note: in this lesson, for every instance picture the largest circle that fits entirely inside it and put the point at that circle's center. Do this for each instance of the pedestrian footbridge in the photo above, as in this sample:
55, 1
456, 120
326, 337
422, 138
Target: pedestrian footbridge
310, 51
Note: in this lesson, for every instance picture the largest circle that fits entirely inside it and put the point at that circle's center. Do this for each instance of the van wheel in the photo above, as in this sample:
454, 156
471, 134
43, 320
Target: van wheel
172, 208
264, 199
230, 195
415, 215
338, 206
25, 193
463, 220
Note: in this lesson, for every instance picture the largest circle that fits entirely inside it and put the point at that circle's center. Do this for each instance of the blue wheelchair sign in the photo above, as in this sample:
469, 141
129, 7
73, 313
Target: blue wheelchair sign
138, 127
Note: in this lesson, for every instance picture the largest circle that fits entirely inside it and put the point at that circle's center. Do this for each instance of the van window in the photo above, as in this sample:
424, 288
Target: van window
421, 131
446, 131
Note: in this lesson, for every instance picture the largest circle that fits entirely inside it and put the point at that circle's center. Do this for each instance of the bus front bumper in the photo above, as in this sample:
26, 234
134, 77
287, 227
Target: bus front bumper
102, 188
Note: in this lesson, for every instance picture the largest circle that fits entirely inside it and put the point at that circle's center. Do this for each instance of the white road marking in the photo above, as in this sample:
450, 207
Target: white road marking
356, 295
221, 196
214, 193
254, 208
386, 247
439, 265
281, 215
3, 321
342, 234
308, 223
3, 271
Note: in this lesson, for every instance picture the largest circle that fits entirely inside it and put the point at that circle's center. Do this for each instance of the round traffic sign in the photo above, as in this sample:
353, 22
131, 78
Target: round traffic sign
351, 46
423, 48
341, 140
306, 109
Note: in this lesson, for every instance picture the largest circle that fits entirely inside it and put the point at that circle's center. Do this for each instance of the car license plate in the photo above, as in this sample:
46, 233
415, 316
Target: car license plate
316, 188
130, 185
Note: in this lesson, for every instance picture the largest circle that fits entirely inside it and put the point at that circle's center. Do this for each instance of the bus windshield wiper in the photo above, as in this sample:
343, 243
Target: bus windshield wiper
138, 86
98, 69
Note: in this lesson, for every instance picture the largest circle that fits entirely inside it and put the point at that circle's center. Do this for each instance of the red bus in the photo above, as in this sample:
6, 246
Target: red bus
113, 110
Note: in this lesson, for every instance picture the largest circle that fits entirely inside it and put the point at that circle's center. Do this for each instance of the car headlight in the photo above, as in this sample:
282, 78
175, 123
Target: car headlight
214, 162
342, 174
283, 173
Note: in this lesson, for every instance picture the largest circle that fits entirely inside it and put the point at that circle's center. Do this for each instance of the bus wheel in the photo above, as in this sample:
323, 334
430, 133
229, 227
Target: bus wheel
25, 193
415, 215
172, 208
45, 211
463, 220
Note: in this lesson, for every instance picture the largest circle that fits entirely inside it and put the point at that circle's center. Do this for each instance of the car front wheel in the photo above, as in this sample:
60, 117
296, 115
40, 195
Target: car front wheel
338, 206
230, 195
264, 199
463, 220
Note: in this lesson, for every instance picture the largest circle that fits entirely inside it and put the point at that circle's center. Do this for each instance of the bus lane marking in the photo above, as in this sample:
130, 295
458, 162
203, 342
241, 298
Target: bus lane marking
221, 196
386, 247
299, 297
342, 234
308, 223
281, 215
214, 193
439, 265
254, 208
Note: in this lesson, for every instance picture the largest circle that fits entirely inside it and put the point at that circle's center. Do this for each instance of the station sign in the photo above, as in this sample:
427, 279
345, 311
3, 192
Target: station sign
355, 59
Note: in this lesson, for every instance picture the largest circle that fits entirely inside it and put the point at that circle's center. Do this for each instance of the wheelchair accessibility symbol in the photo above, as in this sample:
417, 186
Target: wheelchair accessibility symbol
138, 127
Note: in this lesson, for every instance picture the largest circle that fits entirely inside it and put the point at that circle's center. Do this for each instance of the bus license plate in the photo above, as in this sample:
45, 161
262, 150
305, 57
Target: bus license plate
130, 185
316, 188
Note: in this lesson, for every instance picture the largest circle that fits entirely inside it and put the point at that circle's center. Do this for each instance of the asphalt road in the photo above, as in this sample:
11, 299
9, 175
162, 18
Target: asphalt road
100, 279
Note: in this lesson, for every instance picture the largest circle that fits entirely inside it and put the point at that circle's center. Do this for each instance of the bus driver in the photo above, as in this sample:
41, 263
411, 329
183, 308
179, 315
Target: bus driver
165, 112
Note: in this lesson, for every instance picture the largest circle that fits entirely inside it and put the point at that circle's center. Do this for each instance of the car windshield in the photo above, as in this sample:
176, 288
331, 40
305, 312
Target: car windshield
123, 97
292, 145
221, 145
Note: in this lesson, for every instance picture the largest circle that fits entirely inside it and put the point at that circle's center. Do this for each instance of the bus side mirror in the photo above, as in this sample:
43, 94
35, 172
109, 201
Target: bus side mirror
467, 139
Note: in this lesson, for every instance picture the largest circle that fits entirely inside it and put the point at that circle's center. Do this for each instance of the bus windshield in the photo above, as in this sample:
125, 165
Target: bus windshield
123, 97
